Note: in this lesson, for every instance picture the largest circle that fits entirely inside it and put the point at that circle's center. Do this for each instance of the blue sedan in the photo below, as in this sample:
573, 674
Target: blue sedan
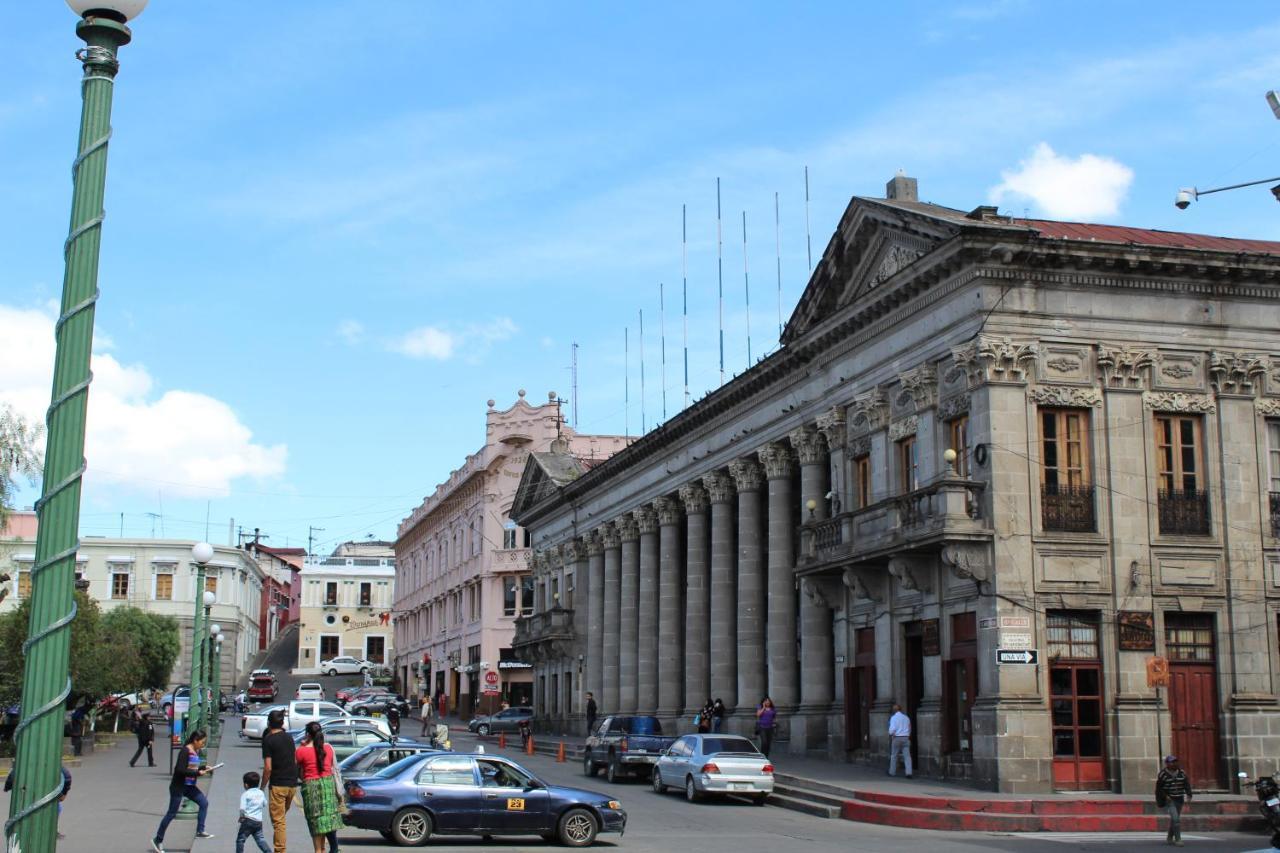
451, 794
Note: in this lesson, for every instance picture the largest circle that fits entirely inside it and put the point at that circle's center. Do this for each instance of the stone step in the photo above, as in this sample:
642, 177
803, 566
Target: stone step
801, 793
803, 805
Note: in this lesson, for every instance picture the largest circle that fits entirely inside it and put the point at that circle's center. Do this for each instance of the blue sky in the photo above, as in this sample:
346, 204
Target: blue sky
334, 230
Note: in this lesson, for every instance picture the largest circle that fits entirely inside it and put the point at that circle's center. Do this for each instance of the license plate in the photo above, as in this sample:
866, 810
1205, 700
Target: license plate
1274, 801
739, 786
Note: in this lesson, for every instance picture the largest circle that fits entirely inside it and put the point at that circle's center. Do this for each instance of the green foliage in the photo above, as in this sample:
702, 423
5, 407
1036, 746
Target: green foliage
153, 638
19, 455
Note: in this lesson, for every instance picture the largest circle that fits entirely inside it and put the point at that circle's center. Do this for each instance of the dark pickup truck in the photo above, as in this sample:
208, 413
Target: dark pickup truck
625, 746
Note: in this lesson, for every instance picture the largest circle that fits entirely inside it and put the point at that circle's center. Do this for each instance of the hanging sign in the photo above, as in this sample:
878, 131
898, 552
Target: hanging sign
1137, 630
930, 644
1157, 672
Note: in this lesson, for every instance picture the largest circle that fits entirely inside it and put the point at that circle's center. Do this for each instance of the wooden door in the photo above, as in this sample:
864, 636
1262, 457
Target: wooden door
1076, 697
1193, 696
915, 686
859, 692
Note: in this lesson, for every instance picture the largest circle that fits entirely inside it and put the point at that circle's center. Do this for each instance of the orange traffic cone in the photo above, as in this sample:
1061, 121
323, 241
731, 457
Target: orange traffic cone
502, 741
560, 754
528, 745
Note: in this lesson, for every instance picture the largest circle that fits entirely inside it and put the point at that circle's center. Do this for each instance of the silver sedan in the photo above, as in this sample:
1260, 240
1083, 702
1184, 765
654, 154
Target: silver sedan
714, 764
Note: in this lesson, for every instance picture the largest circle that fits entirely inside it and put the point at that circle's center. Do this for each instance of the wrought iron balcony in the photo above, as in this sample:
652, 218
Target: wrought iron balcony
1184, 512
941, 511
1275, 514
1067, 508
555, 624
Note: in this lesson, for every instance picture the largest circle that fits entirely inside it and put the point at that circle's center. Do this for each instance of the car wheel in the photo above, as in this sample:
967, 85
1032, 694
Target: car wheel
332, 673
578, 828
363, 670
690, 792
411, 828
589, 765
614, 772
658, 787
482, 730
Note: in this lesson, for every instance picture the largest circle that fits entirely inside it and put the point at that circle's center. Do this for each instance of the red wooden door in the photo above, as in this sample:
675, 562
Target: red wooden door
1193, 715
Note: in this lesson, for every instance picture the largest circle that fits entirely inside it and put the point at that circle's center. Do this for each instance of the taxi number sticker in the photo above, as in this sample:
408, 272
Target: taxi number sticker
515, 804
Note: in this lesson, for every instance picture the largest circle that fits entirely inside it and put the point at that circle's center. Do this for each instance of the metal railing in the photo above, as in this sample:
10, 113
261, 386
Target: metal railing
1183, 512
1067, 508
1275, 514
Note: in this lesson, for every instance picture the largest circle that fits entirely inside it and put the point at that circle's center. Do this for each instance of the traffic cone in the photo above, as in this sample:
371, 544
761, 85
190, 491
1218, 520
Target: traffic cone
560, 754
528, 745
502, 741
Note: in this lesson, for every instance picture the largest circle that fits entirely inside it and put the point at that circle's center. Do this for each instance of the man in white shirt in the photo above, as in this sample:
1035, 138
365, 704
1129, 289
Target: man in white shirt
899, 740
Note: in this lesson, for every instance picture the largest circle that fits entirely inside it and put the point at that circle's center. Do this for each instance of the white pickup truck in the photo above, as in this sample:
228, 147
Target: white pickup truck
298, 713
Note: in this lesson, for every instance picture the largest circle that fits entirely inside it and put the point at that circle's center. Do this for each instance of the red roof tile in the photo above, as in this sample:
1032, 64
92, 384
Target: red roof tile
1147, 236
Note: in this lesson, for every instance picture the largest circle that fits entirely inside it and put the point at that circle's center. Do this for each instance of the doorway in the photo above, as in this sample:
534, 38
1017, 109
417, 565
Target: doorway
914, 659
1075, 694
330, 646
1193, 696
960, 685
860, 691
375, 649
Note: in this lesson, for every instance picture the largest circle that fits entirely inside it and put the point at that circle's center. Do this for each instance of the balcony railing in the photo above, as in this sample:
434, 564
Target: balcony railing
1067, 508
1184, 513
553, 624
1275, 514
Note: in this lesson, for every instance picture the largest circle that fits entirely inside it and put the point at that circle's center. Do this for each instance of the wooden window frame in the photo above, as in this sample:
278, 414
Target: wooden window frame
907, 451
958, 440
1175, 478
330, 600
1273, 455
158, 596
1076, 475
116, 593
862, 481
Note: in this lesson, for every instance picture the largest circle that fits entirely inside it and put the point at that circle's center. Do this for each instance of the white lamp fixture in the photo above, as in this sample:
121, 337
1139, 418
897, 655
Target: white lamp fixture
127, 9
210, 599
215, 629
949, 456
202, 552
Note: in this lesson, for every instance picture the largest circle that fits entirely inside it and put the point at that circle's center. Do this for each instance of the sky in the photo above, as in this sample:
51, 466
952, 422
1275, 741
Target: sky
335, 230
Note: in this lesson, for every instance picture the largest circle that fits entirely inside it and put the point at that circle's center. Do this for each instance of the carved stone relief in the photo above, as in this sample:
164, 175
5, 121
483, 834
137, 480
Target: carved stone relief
995, 359
1178, 371
719, 487
865, 584
1268, 406
1177, 401
904, 427
860, 446
777, 459
1124, 368
668, 509
747, 475
809, 445
897, 258
832, 426
1235, 373
694, 498
1065, 363
953, 407
1064, 395
910, 574
868, 412
967, 562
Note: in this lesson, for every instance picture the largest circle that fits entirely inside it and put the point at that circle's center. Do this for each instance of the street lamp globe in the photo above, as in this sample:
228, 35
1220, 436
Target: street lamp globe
202, 552
949, 456
215, 629
127, 9
210, 599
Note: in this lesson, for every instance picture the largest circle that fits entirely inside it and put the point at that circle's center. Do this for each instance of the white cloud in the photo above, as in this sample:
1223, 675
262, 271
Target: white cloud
192, 442
1085, 187
351, 331
442, 344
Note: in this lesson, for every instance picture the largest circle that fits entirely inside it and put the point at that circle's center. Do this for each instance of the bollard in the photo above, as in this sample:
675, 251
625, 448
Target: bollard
528, 745
502, 740
560, 754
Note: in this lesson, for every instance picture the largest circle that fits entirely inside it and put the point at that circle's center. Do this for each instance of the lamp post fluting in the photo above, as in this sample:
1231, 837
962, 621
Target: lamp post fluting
201, 553
215, 695
32, 823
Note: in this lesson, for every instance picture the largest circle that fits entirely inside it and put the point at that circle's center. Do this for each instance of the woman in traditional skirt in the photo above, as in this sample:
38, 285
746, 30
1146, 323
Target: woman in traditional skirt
321, 799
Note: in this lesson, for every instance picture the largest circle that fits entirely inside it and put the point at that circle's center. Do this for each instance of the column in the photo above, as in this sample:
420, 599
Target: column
595, 617
670, 620
628, 623
647, 613
697, 598
724, 598
612, 608
752, 604
817, 651
779, 463
576, 562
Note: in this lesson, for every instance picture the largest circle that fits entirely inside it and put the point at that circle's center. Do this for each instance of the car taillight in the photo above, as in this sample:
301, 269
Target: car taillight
767, 770
244, 721
622, 745
355, 792
710, 767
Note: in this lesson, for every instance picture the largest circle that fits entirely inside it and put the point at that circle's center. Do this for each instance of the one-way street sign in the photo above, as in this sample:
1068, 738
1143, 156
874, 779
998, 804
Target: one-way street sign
1026, 656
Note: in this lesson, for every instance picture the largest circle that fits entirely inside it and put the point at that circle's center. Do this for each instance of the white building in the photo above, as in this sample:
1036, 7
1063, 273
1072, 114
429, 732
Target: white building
346, 605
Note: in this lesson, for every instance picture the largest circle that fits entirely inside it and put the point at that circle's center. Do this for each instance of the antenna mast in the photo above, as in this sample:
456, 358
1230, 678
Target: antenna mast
626, 381
746, 284
777, 240
662, 328
720, 276
573, 403
644, 421
684, 275
808, 243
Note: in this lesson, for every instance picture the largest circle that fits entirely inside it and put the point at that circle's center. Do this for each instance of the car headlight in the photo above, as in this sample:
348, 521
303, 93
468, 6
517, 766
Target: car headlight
614, 804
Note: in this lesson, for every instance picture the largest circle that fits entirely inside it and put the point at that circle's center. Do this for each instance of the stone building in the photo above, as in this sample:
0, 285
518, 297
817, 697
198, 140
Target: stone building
995, 469
463, 565
345, 609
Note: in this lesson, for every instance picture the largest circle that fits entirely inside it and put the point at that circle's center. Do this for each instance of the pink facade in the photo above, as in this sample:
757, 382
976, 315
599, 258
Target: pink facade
21, 524
462, 567
281, 589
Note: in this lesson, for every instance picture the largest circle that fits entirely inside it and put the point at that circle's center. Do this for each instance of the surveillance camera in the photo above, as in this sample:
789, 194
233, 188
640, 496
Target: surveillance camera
1273, 101
1275, 191
1184, 199
830, 495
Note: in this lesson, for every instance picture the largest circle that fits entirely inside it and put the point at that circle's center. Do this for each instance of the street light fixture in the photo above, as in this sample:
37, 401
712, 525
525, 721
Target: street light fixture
32, 824
1186, 195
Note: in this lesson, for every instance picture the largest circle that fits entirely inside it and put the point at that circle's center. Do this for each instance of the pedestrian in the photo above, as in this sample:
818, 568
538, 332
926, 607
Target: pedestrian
321, 799
252, 804
393, 718
279, 776
77, 729
146, 734
66, 788
766, 719
186, 770
1173, 792
428, 712
899, 740
717, 715
442, 703
592, 711
703, 719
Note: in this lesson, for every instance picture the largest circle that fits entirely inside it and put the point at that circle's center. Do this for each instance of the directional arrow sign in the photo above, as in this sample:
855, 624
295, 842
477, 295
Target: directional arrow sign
1024, 656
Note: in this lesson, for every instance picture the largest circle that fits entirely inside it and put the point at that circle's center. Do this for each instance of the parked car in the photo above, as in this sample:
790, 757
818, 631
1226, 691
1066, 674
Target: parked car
309, 690
624, 745
376, 757
714, 764
182, 692
262, 673
503, 721
300, 712
350, 694
263, 688
347, 739
450, 794
378, 703
344, 665
255, 724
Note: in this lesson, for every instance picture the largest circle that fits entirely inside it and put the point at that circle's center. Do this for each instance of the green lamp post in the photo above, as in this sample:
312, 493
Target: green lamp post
201, 553
215, 659
32, 823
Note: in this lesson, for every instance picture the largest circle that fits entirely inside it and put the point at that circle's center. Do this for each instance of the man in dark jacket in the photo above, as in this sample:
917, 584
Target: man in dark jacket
1173, 792
66, 788
592, 711
146, 734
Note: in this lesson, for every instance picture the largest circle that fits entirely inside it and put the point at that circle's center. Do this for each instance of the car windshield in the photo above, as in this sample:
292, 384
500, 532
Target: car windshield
712, 745
262, 681
642, 726
395, 769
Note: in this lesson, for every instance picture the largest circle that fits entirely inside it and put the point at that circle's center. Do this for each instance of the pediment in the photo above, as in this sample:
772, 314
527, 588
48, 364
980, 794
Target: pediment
873, 247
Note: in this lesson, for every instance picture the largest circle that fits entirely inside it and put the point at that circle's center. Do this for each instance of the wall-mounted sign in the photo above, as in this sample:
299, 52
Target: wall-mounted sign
1020, 623
1137, 630
987, 623
1157, 672
1015, 641
930, 643
1017, 656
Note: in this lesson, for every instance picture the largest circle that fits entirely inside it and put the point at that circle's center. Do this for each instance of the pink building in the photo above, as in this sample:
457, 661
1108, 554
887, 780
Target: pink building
281, 591
462, 566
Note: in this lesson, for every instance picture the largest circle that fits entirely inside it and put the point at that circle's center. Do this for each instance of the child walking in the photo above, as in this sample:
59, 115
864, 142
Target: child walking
252, 803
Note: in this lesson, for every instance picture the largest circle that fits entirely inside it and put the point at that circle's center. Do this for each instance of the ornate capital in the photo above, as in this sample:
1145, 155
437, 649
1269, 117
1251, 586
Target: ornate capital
1123, 367
995, 359
668, 509
719, 487
694, 498
968, 562
595, 543
921, 385
1177, 401
610, 536
1065, 395
808, 444
909, 574
573, 550
646, 519
777, 459
628, 528
541, 559
831, 425
903, 427
747, 475
868, 412
1235, 373
953, 407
